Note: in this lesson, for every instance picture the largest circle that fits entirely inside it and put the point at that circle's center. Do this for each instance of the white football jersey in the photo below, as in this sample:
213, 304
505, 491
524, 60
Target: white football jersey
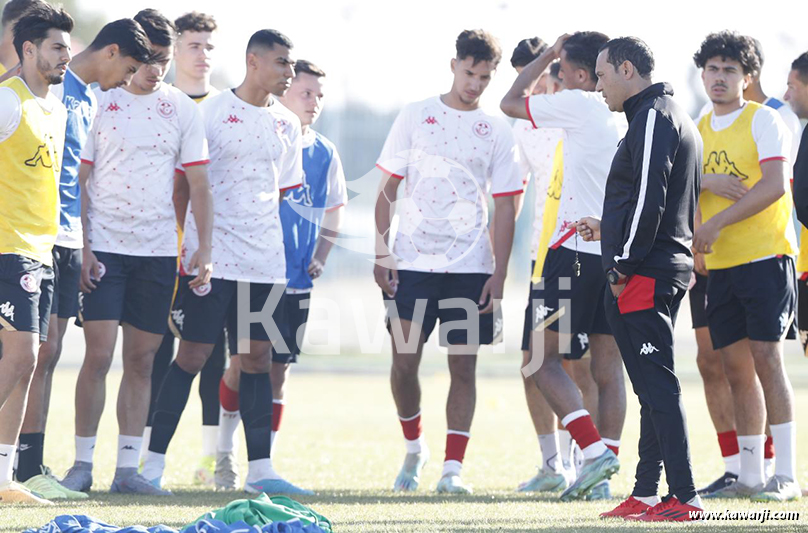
537, 148
592, 134
256, 154
450, 161
134, 146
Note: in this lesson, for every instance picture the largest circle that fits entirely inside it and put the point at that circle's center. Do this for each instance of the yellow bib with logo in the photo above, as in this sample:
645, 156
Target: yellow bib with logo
733, 151
802, 259
30, 164
550, 216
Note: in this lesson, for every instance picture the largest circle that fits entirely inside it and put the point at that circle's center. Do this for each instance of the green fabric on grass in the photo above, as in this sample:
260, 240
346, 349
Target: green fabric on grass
265, 510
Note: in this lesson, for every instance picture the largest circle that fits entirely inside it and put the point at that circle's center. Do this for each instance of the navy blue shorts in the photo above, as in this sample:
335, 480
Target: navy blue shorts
198, 315
25, 295
574, 302
132, 289
436, 287
296, 307
66, 278
698, 302
757, 301
580, 341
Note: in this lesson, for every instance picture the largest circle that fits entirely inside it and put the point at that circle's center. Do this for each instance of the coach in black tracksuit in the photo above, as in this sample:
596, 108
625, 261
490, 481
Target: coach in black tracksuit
646, 234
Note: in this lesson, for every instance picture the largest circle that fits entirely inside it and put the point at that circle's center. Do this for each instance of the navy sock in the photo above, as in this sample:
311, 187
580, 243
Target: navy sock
30, 455
171, 402
255, 404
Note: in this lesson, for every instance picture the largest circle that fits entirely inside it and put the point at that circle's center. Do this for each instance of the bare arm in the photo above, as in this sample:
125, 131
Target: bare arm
513, 104
89, 266
504, 226
383, 215
769, 189
329, 231
202, 206
181, 197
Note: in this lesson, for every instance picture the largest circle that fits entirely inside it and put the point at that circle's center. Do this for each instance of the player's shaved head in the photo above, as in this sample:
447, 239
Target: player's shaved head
263, 40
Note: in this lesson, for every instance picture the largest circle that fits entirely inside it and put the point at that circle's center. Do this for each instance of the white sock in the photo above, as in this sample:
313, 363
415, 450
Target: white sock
565, 447
785, 442
549, 452
228, 424
696, 502
751, 447
768, 468
261, 469
415, 446
129, 451
648, 500
7, 454
451, 468
272, 440
85, 446
144, 449
210, 437
732, 464
154, 466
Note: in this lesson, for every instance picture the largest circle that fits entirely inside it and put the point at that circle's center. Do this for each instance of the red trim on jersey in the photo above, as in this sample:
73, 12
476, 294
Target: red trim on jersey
283, 191
511, 193
564, 238
87, 162
778, 158
527, 108
392, 175
196, 163
334, 208
179, 171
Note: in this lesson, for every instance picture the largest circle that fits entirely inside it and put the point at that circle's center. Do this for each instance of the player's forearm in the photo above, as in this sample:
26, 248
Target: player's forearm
384, 213
201, 204
513, 104
181, 197
329, 232
84, 176
770, 188
504, 228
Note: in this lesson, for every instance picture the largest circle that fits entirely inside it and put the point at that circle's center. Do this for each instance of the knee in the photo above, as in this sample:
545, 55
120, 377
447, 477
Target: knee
48, 357
255, 363
710, 366
97, 363
191, 361
139, 365
463, 373
605, 375
405, 365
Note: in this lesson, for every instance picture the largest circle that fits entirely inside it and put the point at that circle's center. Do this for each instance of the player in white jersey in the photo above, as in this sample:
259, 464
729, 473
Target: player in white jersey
443, 157
256, 155
193, 57
569, 298
141, 133
716, 386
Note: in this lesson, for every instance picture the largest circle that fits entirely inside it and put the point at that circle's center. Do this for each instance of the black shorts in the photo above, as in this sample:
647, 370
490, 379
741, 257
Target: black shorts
198, 315
580, 341
802, 310
294, 319
698, 302
25, 296
434, 288
66, 278
757, 301
132, 289
573, 302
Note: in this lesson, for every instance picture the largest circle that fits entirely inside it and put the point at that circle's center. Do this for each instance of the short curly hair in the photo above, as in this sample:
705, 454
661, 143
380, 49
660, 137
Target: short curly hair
196, 21
729, 45
527, 50
479, 45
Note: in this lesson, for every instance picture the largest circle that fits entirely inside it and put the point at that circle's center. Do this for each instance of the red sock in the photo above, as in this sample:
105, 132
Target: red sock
456, 446
584, 432
411, 426
728, 442
768, 448
277, 413
228, 397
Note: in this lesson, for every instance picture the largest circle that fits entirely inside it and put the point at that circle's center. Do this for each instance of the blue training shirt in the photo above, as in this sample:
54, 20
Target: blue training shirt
81, 105
303, 208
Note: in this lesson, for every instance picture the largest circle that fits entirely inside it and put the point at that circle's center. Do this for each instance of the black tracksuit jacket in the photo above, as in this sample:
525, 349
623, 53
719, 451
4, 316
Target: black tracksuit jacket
652, 191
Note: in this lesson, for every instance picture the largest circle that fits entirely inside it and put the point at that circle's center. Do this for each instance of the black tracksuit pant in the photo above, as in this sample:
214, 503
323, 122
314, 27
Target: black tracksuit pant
642, 320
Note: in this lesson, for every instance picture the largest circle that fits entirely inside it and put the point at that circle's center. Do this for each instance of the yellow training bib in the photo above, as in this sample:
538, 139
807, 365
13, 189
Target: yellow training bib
733, 151
550, 216
30, 164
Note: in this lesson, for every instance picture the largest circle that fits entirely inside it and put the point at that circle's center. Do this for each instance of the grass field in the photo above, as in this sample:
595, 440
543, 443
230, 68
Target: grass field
341, 438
